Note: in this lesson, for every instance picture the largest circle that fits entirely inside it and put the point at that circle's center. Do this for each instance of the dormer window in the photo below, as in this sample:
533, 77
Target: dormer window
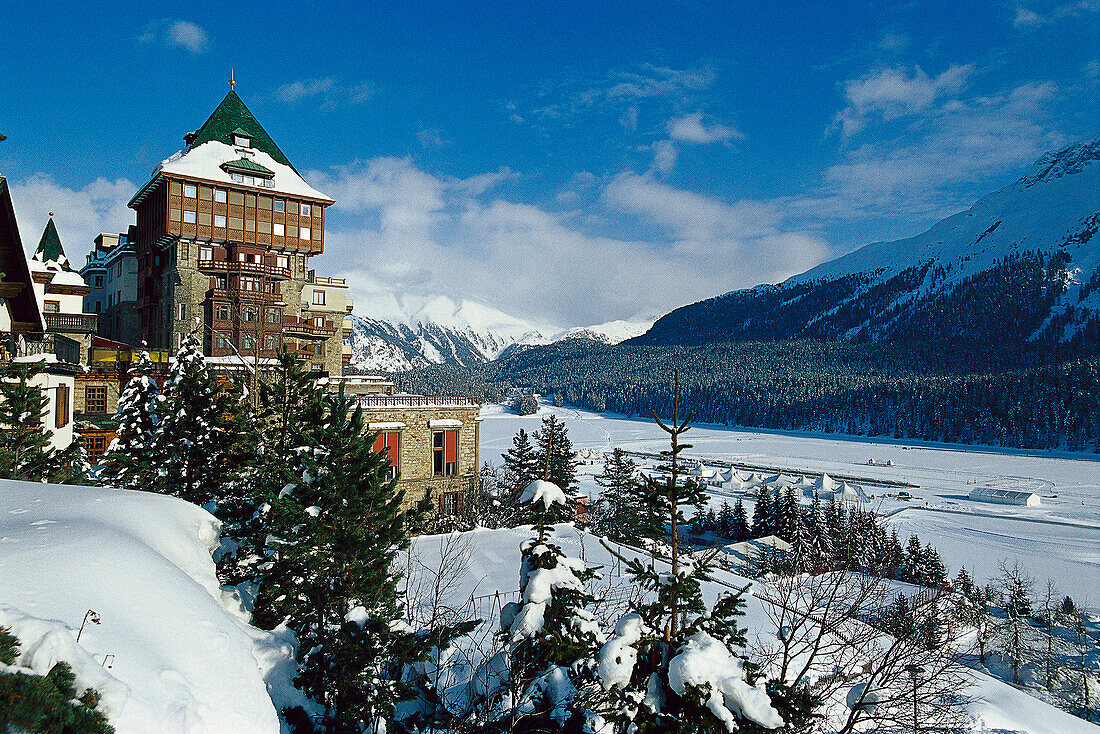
241, 139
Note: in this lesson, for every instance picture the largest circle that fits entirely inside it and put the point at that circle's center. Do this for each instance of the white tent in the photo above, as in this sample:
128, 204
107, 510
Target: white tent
825, 484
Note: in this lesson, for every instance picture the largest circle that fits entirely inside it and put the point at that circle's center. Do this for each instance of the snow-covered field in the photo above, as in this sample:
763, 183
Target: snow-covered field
167, 655
1069, 486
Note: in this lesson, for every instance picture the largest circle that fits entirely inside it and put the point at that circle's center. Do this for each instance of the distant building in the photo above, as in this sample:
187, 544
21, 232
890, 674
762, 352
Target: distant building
1020, 497
112, 278
60, 290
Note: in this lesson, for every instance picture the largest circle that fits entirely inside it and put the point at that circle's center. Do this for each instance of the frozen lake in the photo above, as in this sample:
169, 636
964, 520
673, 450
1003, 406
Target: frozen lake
943, 476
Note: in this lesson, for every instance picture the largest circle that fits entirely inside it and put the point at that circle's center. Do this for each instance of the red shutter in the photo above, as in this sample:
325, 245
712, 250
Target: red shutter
392, 441
450, 446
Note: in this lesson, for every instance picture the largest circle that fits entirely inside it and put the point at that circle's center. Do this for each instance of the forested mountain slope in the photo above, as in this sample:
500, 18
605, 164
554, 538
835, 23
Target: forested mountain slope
1022, 264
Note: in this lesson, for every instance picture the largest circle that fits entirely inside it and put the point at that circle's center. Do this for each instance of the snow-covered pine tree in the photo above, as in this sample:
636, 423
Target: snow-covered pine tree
763, 512
25, 449
521, 462
281, 417
725, 520
935, 573
192, 455
913, 570
739, 529
557, 460
621, 514
127, 462
549, 638
668, 667
332, 532
821, 541
33, 703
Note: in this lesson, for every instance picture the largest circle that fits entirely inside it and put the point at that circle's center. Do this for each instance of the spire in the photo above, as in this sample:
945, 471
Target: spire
49, 247
232, 81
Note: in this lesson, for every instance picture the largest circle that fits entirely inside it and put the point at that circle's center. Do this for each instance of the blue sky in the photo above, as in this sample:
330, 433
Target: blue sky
566, 163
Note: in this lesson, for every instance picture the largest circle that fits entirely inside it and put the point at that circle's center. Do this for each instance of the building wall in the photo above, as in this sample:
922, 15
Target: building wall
415, 462
49, 383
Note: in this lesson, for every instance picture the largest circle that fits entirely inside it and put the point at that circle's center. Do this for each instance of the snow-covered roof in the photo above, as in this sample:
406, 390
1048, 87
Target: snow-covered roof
205, 162
995, 493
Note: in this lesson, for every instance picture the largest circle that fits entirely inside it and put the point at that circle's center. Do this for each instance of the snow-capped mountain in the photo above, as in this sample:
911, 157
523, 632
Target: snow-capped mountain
1022, 264
440, 331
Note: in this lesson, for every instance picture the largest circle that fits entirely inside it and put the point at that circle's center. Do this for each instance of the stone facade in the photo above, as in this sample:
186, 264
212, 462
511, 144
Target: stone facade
417, 418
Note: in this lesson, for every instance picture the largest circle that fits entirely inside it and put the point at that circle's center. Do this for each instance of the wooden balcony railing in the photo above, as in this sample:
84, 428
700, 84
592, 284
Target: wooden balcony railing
82, 322
230, 266
295, 325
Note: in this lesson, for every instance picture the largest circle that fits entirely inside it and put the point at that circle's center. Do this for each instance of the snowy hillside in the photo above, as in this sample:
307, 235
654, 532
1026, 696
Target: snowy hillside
440, 331
491, 560
168, 655
1022, 263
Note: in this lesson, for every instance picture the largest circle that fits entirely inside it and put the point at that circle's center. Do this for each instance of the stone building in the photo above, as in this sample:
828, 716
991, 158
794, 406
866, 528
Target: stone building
432, 440
225, 230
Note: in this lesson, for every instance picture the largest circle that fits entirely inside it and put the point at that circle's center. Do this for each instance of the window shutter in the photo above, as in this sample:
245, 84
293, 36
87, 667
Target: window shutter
450, 446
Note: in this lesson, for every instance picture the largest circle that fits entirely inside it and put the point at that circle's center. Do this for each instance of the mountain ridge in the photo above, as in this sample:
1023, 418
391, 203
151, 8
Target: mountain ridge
1031, 244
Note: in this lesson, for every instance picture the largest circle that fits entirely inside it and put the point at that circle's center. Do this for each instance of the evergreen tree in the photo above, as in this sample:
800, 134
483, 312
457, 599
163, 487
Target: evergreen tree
44, 704
739, 529
913, 570
762, 513
521, 462
657, 651
127, 463
895, 555
725, 520
549, 638
332, 532
935, 573
555, 454
821, 545
193, 454
26, 452
621, 516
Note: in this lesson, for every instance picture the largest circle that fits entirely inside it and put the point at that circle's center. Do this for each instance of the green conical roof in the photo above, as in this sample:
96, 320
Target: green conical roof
49, 247
232, 116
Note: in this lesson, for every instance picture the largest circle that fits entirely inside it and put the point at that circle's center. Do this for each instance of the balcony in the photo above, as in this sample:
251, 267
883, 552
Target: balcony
230, 266
294, 326
227, 294
83, 323
416, 401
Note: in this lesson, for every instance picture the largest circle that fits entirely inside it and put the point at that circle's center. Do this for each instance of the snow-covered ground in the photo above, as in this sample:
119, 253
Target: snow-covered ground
493, 566
167, 654
943, 475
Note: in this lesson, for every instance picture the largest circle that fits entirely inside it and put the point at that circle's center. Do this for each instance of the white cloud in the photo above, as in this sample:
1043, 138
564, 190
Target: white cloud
664, 156
180, 33
623, 91
1027, 18
397, 229
894, 93
79, 214
302, 89
691, 129
330, 92
941, 162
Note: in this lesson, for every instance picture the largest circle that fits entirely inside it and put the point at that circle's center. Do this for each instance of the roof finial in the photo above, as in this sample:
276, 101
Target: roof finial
51, 215
232, 81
